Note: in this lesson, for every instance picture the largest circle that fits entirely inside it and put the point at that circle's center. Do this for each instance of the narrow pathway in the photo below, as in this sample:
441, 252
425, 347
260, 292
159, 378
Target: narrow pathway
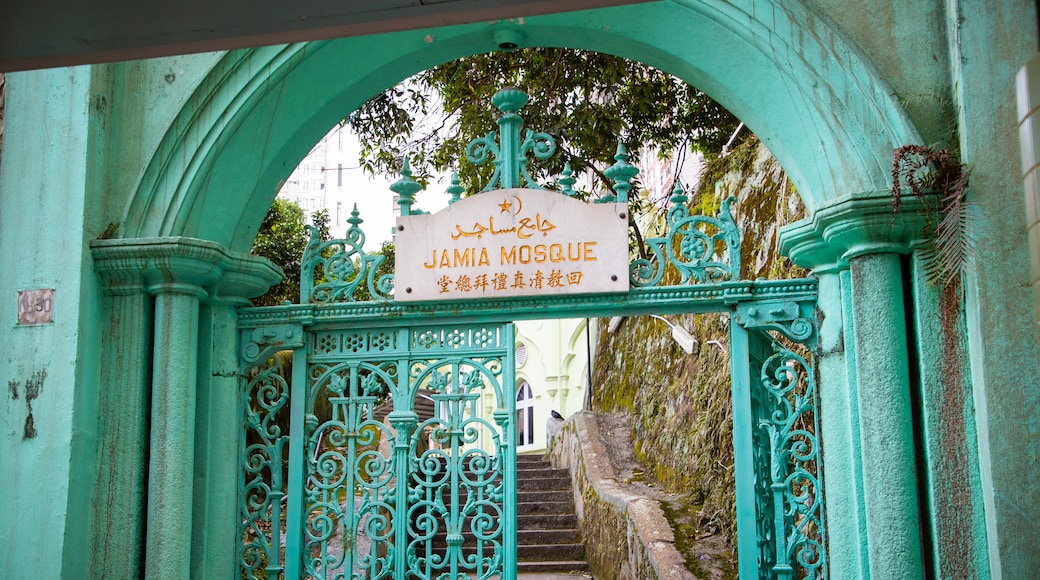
549, 541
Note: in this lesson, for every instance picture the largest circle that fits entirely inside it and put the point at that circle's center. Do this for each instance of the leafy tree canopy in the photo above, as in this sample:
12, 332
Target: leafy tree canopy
585, 100
282, 239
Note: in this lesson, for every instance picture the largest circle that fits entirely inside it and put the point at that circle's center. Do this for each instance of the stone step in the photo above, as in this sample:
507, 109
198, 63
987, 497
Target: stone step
551, 483
558, 567
547, 521
541, 472
550, 552
557, 502
561, 494
547, 535
554, 536
541, 502
523, 538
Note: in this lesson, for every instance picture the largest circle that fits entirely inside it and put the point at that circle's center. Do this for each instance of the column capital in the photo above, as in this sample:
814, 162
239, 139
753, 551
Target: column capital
851, 226
244, 276
181, 265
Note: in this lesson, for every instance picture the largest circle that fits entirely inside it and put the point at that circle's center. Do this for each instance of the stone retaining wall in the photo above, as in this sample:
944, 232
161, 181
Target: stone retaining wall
627, 536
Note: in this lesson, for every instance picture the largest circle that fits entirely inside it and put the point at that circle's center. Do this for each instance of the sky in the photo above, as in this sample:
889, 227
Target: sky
374, 198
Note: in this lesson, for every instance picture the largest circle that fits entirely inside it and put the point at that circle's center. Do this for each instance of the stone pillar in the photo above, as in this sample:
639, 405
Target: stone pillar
886, 416
120, 494
218, 417
843, 481
172, 446
179, 273
853, 245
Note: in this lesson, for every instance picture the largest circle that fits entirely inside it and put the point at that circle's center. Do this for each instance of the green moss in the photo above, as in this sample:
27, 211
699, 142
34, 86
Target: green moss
680, 404
688, 528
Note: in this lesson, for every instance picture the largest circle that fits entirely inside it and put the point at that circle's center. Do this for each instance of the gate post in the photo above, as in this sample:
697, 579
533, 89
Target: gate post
855, 243
216, 519
179, 273
743, 446
886, 416
119, 498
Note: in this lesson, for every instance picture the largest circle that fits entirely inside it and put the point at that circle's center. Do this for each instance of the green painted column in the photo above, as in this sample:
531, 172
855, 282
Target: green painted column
886, 416
218, 417
951, 481
179, 522
839, 432
218, 428
870, 482
171, 453
119, 498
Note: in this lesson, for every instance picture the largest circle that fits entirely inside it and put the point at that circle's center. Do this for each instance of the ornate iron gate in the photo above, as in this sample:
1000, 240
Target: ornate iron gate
343, 477
375, 489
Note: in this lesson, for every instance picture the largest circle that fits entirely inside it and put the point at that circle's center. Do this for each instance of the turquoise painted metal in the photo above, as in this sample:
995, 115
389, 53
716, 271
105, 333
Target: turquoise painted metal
701, 248
340, 467
775, 433
510, 152
159, 148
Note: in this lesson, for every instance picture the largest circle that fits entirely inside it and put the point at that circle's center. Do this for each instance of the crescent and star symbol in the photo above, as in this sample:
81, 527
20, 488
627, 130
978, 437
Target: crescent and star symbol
506, 205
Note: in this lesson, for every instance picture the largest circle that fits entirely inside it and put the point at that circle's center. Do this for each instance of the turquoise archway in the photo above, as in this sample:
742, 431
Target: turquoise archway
812, 98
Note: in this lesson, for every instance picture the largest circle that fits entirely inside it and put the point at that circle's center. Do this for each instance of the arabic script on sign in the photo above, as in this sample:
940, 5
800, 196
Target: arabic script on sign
512, 243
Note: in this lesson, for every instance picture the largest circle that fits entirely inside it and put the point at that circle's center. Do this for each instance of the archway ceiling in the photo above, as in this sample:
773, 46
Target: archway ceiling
71, 32
813, 99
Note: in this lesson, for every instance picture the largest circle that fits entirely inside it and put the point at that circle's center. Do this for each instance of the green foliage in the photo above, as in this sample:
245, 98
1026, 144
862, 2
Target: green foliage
681, 404
388, 252
937, 177
282, 239
320, 219
585, 100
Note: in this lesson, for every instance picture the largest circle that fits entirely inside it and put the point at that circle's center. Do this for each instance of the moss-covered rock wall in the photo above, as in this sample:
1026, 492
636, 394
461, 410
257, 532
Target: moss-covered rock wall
680, 404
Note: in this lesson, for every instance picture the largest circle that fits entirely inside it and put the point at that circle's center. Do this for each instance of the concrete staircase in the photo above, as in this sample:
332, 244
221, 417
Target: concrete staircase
548, 537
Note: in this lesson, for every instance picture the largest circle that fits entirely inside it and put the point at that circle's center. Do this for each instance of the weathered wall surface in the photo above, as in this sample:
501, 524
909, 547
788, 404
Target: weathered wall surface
49, 371
626, 535
77, 141
681, 404
830, 85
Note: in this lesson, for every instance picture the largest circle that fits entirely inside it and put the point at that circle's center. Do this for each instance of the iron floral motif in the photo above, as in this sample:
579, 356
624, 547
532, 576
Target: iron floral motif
261, 481
510, 152
790, 492
344, 266
703, 249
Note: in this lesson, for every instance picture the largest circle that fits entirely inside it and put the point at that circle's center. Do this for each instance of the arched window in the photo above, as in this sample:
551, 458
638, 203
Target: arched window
524, 415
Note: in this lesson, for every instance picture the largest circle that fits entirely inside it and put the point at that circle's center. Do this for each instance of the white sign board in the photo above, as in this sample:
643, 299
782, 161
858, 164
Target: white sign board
512, 242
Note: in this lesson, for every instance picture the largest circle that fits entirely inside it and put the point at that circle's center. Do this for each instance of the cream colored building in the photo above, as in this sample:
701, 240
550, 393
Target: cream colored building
552, 373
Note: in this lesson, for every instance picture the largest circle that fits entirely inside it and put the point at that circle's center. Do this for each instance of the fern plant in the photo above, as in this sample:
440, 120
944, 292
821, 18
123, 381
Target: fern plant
940, 180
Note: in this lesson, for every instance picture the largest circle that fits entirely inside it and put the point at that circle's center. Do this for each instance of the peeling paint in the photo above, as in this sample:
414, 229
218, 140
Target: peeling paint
33, 386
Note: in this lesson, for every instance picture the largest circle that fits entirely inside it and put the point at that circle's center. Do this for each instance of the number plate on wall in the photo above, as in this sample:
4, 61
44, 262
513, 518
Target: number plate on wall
35, 306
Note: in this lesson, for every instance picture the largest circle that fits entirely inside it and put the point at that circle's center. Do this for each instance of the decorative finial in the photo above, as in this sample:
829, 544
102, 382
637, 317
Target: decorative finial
621, 173
511, 149
355, 218
568, 180
509, 100
455, 189
678, 195
405, 188
355, 233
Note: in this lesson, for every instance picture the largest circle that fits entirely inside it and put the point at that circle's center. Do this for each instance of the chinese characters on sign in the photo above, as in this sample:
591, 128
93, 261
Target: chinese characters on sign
512, 242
